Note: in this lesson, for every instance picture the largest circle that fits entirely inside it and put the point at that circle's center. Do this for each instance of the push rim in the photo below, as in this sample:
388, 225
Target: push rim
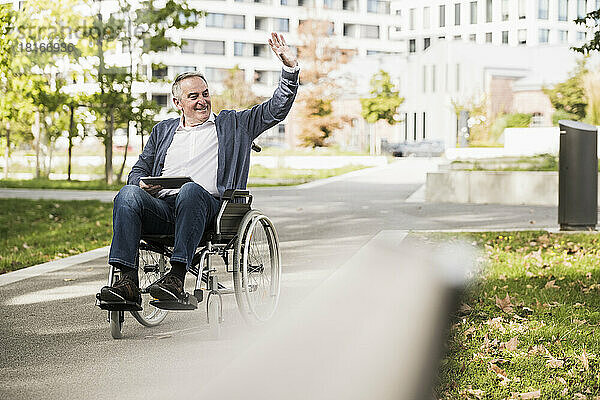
151, 267
261, 268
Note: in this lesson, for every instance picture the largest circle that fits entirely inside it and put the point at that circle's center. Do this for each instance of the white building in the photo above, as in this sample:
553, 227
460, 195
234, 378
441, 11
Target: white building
501, 22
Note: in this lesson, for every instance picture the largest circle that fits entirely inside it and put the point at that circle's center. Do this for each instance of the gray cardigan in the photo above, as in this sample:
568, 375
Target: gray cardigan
235, 132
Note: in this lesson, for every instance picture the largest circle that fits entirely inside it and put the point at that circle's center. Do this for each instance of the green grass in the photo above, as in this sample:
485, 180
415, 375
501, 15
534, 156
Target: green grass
552, 318
36, 231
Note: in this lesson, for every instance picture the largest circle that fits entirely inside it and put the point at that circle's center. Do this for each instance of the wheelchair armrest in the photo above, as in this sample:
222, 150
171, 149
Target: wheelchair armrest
231, 194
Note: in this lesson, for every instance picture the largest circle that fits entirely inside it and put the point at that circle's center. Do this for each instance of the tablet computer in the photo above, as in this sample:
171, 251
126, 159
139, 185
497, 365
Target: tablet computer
167, 182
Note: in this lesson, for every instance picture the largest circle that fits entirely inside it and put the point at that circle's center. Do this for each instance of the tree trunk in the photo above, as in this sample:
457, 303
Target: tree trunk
51, 146
119, 177
108, 169
7, 150
71, 120
36, 134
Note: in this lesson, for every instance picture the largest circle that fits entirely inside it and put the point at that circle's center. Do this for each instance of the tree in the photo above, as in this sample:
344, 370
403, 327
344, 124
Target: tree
384, 101
569, 97
591, 20
237, 94
383, 105
142, 27
315, 101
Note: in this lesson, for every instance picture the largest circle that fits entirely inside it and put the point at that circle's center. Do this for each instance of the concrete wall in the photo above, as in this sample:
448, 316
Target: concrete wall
494, 187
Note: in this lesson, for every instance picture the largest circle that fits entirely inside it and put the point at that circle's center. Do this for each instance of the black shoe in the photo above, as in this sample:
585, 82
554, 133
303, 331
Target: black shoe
169, 288
124, 290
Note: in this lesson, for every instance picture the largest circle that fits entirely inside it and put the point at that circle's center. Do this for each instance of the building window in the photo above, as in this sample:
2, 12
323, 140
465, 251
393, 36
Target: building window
522, 9
412, 45
369, 31
282, 24
581, 36
504, 37
160, 99
543, 9
411, 19
522, 36
472, 37
378, 6
159, 71
216, 75
229, 21
473, 12
261, 23
424, 116
457, 37
457, 14
426, 18
180, 69
563, 10
489, 11
426, 43
543, 35
350, 5
581, 7
239, 49
260, 50
488, 37
505, 11
211, 47
443, 16
563, 36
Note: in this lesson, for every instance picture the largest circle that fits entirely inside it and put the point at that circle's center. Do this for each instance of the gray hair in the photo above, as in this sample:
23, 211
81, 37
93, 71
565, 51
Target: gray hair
176, 88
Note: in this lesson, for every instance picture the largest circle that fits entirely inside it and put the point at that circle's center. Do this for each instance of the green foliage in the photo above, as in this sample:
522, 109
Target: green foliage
384, 103
37, 231
569, 96
591, 20
562, 114
527, 323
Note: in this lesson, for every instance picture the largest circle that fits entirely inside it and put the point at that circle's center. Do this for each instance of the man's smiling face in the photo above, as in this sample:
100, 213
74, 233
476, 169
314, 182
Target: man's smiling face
195, 101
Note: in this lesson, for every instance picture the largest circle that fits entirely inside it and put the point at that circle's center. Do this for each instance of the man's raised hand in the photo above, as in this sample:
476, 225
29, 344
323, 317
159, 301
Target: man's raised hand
282, 51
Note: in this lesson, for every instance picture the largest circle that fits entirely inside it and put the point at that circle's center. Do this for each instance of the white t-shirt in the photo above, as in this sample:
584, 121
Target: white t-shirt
194, 152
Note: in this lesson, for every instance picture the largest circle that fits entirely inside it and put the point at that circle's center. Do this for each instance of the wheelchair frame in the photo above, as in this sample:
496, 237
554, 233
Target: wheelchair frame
234, 230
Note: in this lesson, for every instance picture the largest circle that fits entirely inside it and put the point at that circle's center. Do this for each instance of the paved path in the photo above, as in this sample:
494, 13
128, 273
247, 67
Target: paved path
55, 343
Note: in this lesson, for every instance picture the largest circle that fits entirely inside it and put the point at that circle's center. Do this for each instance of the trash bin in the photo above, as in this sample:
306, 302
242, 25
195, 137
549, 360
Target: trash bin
577, 176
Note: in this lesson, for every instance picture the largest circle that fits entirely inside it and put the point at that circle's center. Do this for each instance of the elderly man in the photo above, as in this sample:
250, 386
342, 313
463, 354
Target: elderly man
214, 152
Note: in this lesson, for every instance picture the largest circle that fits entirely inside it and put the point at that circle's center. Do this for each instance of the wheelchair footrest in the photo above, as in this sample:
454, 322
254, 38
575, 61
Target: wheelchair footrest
117, 305
188, 303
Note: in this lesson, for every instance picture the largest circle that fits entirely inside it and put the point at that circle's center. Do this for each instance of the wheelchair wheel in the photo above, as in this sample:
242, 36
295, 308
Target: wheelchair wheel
151, 267
257, 268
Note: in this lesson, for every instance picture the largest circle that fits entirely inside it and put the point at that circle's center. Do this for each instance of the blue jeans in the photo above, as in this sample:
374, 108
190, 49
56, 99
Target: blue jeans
185, 215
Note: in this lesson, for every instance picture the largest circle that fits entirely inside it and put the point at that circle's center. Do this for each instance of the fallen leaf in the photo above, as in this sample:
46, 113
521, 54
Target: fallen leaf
505, 304
498, 370
25, 246
502, 277
551, 285
561, 380
579, 322
465, 308
554, 362
511, 345
580, 396
528, 395
584, 360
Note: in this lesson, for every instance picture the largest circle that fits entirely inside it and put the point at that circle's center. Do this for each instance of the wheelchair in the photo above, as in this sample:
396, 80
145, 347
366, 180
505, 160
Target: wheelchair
247, 242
